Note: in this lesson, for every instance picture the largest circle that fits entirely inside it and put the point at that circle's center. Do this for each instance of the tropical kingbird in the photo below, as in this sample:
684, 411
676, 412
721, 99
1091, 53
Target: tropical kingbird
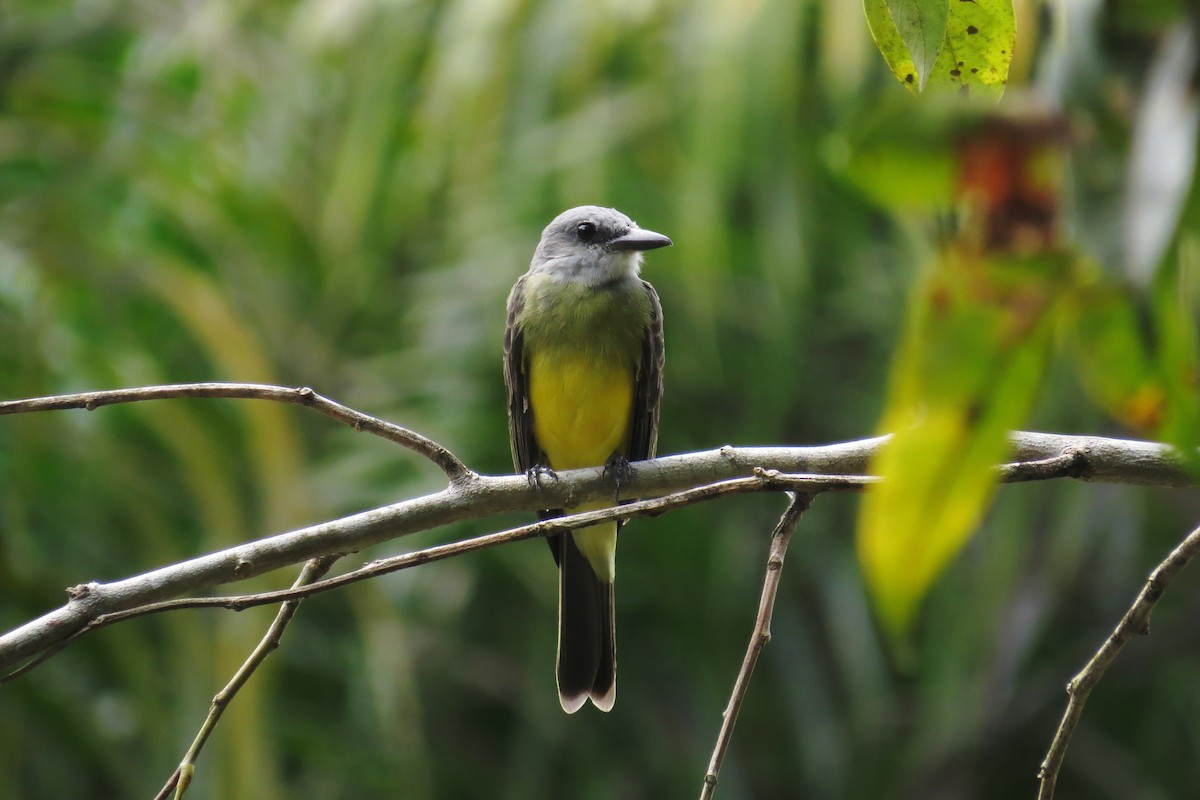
583, 361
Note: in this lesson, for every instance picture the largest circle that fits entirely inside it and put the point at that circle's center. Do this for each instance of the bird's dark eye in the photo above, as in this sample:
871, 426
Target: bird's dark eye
586, 231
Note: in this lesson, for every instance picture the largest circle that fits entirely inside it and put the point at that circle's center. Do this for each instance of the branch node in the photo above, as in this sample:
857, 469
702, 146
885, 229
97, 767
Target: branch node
243, 568
1070, 463
1081, 466
466, 478
772, 477
82, 590
1154, 587
90, 405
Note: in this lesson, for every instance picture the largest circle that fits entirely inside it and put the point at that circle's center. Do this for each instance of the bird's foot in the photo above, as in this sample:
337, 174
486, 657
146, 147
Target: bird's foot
620, 470
536, 474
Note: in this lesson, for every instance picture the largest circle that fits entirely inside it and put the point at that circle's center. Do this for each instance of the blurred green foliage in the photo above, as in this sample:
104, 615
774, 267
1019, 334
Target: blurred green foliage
339, 193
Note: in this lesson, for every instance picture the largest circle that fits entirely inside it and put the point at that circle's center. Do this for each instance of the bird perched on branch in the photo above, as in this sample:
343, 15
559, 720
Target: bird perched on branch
583, 361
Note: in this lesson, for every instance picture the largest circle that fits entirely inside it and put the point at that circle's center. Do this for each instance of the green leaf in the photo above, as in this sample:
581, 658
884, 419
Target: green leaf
978, 51
890, 43
973, 58
922, 27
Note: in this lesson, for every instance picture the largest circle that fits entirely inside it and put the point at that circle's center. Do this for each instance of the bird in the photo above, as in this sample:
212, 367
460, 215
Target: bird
583, 365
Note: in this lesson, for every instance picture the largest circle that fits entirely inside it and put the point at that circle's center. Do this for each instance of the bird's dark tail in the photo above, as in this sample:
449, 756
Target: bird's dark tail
587, 642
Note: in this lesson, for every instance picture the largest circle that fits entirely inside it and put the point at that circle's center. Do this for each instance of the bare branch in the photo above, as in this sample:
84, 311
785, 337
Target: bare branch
1135, 621
763, 480
758, 639
473, 496
181, 778
301, 396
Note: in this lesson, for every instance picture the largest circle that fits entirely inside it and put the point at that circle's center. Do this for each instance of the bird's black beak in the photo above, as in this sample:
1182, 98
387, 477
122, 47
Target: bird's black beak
638, 239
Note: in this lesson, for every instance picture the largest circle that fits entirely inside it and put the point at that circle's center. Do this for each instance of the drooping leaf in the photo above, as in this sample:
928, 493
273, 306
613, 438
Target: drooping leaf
970, 363
966, 374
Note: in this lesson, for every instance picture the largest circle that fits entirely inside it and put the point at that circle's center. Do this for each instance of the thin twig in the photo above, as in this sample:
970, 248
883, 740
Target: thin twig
181, 778
758, 639
299, 396
1135, 621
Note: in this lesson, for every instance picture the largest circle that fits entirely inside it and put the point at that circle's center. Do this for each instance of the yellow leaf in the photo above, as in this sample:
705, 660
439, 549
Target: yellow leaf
965, 375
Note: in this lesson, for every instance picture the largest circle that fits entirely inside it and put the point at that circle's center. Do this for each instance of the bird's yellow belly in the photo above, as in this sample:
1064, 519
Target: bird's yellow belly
581, 408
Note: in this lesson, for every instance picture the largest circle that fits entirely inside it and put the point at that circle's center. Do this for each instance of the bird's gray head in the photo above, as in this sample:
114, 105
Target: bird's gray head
594, 245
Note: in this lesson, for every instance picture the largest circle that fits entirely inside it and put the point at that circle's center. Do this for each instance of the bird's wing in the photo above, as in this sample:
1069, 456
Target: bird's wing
648, 389
525, 452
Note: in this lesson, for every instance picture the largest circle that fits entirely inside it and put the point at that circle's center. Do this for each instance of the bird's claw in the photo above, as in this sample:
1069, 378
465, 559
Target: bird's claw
620, 470
536, 474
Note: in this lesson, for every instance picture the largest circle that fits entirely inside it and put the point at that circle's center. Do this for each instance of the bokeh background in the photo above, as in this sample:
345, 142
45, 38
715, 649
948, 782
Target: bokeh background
339, 193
